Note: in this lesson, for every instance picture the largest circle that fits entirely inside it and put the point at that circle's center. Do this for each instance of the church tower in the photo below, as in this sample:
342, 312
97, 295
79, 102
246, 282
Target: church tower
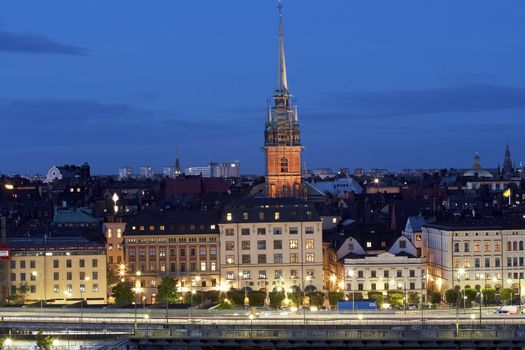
282, 144
507, 162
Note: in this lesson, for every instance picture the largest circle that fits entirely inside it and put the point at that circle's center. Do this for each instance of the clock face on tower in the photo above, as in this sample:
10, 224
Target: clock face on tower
282, 141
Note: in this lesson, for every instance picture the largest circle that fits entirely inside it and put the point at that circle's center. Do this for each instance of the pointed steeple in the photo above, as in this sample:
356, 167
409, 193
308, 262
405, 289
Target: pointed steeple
176, 171
282, 83
507, 162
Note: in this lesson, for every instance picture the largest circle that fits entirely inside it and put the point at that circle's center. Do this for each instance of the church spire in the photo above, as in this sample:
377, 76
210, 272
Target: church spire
507, 162
176, 171
282, 82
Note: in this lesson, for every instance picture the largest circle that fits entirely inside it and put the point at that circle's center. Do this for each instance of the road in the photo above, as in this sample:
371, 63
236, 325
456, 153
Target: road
241, 317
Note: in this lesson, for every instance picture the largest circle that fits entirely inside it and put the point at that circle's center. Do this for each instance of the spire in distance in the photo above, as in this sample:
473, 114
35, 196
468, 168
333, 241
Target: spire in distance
282, 82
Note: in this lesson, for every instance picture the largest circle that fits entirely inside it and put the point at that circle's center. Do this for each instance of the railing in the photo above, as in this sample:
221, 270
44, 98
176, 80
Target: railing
330, 334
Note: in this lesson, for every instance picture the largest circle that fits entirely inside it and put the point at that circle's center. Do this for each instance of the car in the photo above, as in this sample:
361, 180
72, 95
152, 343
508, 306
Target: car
507, 310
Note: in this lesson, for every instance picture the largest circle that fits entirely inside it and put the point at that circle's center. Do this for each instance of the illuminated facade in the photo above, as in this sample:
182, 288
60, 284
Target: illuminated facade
282, 144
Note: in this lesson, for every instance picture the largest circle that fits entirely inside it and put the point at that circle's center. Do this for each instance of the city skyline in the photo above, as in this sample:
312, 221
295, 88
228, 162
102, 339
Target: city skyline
129, 94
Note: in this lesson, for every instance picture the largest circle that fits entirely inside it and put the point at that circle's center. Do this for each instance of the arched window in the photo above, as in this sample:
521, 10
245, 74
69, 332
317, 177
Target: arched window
515, 245
509, 246
284, 165
521, 245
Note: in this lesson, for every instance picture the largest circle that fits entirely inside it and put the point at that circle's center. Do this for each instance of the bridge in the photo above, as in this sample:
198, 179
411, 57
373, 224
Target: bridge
186, 329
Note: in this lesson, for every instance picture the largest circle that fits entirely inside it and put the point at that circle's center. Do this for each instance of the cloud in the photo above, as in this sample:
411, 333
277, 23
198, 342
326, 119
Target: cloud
73, 122
25, 43
460, 99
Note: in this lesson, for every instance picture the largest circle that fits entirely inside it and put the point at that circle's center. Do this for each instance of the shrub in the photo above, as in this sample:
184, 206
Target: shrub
435, 298
334, 297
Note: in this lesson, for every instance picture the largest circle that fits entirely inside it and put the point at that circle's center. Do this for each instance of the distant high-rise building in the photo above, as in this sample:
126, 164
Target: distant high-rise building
146, 171
168, 171
282, 144
226, 169
204, 171
125, 173
507, 162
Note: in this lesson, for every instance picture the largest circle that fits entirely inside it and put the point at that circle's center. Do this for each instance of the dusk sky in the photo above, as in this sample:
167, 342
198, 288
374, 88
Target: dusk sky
382, 84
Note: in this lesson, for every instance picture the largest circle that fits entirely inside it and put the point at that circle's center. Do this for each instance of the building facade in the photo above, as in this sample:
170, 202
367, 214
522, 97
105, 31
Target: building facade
271, 243
473, 253
57, 270
282, 144
182, 244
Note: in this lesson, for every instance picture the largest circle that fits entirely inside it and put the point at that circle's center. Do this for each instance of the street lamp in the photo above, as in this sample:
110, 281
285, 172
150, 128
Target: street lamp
82, 289
8, 342
35, 274
461, 272
404, 285
115, 199
352, 285
137, 291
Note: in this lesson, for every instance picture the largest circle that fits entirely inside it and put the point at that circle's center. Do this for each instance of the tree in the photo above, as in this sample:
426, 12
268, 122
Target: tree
470, 293
413, 298
236, 296
257, 297
435, 298
377, 297
123, 292
452, 296
43, 342
506, 294
18, 295
395, 298
167, 290
334, 297
276, 299
316, 298
295, 298
489, 295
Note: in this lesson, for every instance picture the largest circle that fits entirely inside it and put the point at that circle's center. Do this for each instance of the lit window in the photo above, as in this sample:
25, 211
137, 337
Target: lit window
369, 244
119, 233
309, 244
277, 215
293, 244
229, 216
310, 257
203, 265
110, 233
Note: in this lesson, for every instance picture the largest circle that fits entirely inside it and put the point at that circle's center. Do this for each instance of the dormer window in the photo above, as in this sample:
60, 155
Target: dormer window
369, 244
277, 215
229, 216
245, 216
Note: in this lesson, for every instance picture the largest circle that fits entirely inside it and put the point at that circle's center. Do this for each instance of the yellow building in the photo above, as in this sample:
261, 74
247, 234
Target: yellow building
181, 244
57, 270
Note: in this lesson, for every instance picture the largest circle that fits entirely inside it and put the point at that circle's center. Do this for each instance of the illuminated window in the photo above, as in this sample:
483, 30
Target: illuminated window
277, 215
230, 259
310, 257
110, 233
309, 244
293, 244
369, 244
487, 246
229, 216
294, 257
119, 233
161, 227
203, 265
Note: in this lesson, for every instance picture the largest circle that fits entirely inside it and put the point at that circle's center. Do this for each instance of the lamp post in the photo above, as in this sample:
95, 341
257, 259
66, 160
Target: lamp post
511, 299
137, 291
404, 285
480, 294
423, 285
115, 198
352, 285
82, 289
461, 272
35, 274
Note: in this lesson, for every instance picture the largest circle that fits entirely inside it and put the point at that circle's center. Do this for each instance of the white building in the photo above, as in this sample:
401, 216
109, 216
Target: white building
268, 243
204, 171
146, 171
376, 259
226, 169
168, 171
125, 173
475, 252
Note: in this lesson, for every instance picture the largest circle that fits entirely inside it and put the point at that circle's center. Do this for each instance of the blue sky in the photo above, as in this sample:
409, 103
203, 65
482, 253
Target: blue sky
393, 84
